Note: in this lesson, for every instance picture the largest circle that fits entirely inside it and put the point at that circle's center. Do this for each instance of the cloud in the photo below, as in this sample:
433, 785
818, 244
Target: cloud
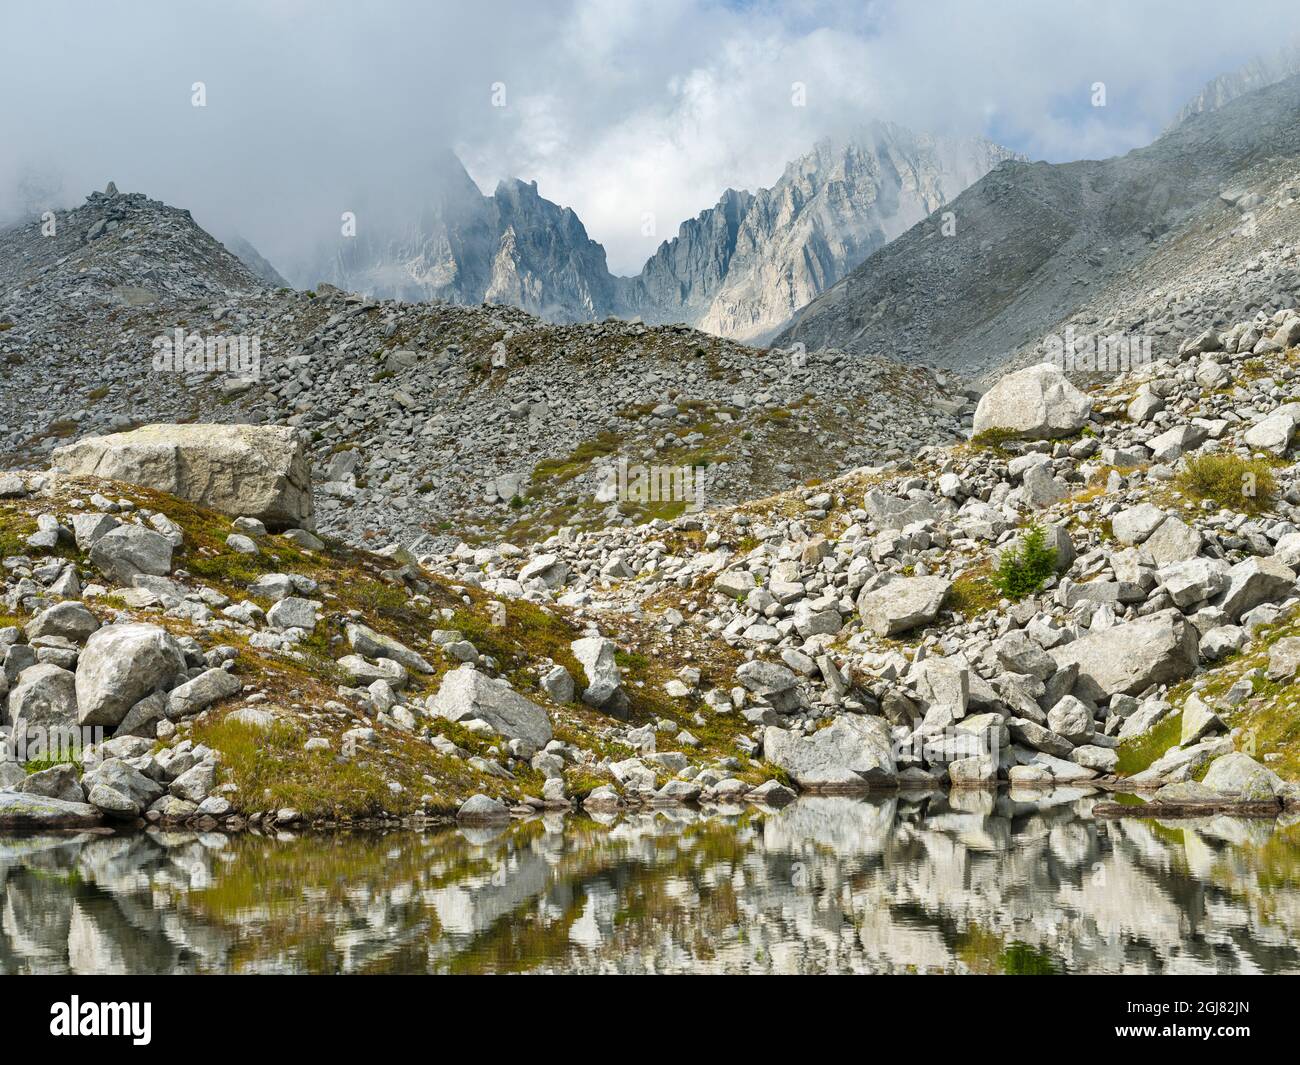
619, 110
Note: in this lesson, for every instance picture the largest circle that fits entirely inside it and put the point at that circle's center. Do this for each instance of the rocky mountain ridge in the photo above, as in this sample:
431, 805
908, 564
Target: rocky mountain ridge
1265, 70
1199, 227
743, 268
739, 269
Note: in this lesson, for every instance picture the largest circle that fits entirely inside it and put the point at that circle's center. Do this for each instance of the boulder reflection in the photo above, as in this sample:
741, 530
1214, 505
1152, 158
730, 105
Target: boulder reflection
969, 883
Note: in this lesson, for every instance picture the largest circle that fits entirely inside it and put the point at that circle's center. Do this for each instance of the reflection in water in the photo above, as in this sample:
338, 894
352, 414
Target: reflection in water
971, 883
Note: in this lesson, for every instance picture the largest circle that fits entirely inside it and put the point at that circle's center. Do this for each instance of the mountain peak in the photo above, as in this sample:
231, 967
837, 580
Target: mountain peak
743, 267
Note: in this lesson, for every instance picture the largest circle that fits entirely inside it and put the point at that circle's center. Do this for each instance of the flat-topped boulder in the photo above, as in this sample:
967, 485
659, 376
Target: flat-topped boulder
853, 753
41, 811
256, 471
1129, 658
903, 604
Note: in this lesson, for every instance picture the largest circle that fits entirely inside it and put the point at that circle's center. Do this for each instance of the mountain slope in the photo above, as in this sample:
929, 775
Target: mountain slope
1199, 224
414, 421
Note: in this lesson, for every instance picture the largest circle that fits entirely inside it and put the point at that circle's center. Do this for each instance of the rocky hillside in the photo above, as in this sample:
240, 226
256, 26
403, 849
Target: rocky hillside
1198, 228
1098, 590
117, 250
740, 269
429, 419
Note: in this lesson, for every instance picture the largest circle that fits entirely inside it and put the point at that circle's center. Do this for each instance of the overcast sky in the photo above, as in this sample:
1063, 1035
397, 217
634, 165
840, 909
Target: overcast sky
618, 109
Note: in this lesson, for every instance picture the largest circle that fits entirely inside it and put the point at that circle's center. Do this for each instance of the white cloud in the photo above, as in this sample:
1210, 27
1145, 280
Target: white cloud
615, 108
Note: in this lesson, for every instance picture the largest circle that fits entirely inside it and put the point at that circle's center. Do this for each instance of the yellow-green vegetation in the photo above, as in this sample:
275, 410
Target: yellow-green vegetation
994, 440
1229, 481
272, 771
38, 764
1138, 753
16, 525
973, 592
1276, 865
987, 953
1269, 718
530, 634
566, 469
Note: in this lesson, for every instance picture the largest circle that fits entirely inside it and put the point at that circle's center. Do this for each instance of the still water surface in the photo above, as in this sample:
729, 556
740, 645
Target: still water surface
969, 883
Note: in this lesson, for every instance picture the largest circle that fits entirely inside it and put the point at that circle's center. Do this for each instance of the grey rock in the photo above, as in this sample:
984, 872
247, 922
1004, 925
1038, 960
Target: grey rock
466, 694
1198, 721
604, 677
1129, 658
903, 604
1037, 402
130, 550
45, 696
482, 809
57, 782
1284, 658
365, 641
42, 812
69, 620
119, 666
854, 752
258, 471
208, 687
1242, 777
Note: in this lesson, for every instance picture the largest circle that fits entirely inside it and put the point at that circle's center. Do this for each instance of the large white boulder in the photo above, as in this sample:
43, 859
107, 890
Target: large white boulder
853, 753
1037, 402
258, 471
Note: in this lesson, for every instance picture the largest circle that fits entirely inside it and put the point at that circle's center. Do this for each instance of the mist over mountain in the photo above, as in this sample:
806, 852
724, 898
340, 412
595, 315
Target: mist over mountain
738, 269
1201, 225
743, 267
1259, 72
513, 247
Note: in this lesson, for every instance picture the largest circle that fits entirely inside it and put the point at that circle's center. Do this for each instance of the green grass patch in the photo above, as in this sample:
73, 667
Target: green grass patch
1229, 481
994, 440
1138, 753
566, 469
973, 592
